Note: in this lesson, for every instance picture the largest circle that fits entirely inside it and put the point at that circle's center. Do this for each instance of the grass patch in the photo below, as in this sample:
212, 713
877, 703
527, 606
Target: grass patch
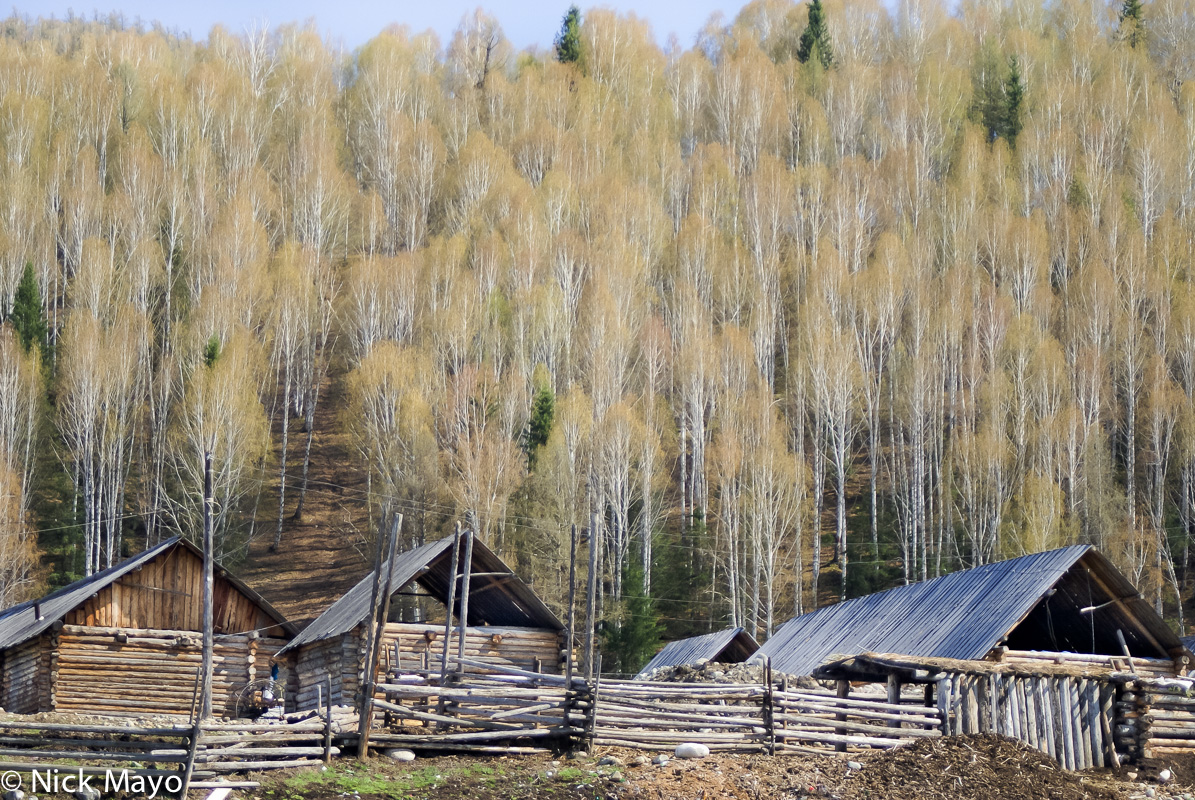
376, 781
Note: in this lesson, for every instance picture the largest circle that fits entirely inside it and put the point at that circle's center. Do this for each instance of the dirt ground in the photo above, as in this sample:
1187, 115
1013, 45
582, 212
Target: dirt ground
961, 768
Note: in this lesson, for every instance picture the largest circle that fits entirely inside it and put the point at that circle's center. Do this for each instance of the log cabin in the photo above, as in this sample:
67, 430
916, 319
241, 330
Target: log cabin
128, 640
507, 624
1069, 600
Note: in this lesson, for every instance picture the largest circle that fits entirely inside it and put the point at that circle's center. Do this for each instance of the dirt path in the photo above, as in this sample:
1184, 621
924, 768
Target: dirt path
323, 555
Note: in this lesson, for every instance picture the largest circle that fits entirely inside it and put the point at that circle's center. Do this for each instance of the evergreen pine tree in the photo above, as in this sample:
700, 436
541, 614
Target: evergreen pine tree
816, 37
26, 315
539, 427
634, 636
568, 41
1014, 95
211, 351
1132, 23
987, 107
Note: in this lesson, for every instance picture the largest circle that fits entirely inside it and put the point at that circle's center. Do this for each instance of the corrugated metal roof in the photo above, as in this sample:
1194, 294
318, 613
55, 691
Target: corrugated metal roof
22, 622
707, 647
965, 614
504, 600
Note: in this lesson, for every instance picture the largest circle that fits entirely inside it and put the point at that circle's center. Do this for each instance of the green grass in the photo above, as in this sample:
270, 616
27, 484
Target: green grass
370, 781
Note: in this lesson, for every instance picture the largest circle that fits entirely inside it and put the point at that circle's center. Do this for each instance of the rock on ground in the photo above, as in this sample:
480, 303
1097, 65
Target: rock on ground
691, 750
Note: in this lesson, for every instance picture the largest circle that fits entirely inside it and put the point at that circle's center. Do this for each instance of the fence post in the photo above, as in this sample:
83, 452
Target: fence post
193, 745
769, 709
893, 696
591, 723
328, 720
844, 690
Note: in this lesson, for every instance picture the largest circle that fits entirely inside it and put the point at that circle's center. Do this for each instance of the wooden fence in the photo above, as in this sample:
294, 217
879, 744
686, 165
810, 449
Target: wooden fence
511, 710
185, 755
1070, 718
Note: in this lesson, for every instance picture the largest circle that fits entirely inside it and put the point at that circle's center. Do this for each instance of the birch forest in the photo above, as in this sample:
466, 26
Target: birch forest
839, 296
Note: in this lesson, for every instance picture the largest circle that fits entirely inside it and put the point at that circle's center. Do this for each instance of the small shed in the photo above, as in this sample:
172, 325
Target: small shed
1067, 600
128, 640
730, 646
507, 624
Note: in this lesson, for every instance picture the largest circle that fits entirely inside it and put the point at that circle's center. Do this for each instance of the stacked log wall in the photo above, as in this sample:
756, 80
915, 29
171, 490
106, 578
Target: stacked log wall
313, 664
533, 649
148, 671
24, 684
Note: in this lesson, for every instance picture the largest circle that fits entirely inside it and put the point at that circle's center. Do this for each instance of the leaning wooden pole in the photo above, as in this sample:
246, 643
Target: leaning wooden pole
456, 549
572, 602
205, 703
466, 579
591, 597
196, 732
377, 625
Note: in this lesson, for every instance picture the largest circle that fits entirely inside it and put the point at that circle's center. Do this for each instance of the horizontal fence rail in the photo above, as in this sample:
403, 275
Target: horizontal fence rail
506, 705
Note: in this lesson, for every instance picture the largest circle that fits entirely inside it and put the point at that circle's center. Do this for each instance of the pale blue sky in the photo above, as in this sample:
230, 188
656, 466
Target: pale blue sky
526, 22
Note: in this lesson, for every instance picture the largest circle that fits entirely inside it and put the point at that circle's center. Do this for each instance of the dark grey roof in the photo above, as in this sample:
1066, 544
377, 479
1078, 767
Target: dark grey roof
1072, 599
707, 647
504, 599
22, 622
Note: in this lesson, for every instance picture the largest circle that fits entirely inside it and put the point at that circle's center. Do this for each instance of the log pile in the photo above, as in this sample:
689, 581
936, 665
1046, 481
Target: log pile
1159, 716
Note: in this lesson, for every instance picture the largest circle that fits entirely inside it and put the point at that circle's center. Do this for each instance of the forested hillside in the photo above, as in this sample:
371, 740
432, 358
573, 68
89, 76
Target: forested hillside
836, 298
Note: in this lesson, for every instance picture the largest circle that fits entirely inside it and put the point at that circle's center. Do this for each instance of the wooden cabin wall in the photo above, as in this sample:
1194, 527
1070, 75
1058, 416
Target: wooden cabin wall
164, 594
533, 649
313, 663
153, 671
25, 685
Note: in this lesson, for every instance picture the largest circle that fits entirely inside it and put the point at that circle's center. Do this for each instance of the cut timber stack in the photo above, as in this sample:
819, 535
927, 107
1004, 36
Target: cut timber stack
1159, 715
138, 672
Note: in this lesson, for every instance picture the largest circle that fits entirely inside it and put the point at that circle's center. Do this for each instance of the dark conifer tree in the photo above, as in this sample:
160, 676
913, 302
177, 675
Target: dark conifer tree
1132, 23
568, 41
539, 428
815, 40
26, 317
1014, 95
